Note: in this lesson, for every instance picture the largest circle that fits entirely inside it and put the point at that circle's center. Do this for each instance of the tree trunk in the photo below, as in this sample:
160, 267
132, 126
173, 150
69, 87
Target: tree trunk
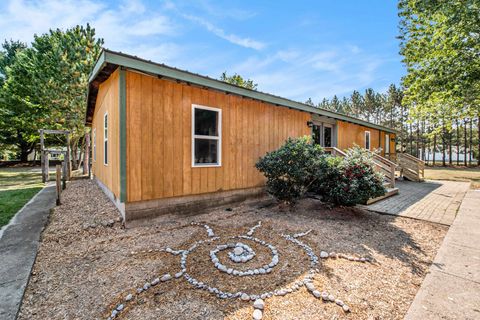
411, 140
470, 150
434, 148
478, 155
450, 148
465, 143
443, 145
458, 143
86, 153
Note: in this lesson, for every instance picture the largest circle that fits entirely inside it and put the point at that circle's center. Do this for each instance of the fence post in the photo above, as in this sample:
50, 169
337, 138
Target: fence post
42, 157
64, 174
46, 166
58, 183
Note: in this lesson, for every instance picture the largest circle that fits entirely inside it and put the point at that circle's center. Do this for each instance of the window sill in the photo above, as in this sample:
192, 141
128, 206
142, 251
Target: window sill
206, 165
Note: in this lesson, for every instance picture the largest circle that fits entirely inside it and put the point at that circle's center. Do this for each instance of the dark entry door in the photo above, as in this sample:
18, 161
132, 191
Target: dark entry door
323, 135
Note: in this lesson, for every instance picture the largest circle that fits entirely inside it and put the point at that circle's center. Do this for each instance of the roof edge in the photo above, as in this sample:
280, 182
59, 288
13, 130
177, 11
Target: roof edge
132, 62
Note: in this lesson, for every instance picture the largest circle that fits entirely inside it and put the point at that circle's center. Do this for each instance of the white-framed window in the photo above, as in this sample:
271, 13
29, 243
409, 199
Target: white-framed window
105, 138
387, 143
206, 136
94, 138
367, 140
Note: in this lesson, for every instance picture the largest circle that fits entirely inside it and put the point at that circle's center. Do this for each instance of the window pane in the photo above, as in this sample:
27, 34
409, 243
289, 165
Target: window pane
327, 137
105, 152
206, 122
316, 134
206, 151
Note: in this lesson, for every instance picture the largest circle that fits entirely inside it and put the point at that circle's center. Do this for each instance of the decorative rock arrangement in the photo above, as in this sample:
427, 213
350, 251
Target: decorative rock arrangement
241, 253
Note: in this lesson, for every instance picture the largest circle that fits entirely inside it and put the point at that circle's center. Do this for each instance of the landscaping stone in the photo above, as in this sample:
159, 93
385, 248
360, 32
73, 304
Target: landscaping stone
257, 314
259, 304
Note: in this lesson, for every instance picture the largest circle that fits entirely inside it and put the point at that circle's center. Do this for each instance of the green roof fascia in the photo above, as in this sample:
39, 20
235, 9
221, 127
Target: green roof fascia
176, 74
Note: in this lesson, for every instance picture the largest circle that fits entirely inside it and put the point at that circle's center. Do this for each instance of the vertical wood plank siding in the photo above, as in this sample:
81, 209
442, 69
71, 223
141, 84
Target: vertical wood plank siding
350, 134
159, 142
108, 101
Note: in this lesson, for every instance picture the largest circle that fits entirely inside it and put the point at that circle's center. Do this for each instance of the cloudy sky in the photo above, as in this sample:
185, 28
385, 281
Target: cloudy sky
296, 49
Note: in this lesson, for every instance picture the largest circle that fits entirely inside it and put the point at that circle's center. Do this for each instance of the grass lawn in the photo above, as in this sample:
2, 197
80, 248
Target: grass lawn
17, 187
454, 174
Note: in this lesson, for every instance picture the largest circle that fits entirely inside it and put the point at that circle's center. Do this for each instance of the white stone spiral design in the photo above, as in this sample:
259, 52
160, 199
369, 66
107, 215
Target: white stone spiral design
241, 253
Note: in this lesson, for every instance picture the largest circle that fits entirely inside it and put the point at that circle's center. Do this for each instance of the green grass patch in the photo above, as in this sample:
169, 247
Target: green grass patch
12, 200
17, 187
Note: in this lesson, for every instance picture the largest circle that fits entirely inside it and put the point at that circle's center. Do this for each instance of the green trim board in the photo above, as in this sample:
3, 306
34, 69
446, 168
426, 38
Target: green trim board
146, 66
122, 104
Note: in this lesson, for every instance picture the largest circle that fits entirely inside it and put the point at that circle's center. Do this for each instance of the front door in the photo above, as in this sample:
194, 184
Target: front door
322, 134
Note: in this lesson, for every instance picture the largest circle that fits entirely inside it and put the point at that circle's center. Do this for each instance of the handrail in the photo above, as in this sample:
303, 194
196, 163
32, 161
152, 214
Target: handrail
334, 151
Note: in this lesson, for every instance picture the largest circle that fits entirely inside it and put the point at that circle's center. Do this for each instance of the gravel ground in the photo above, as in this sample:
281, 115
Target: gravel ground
88, 262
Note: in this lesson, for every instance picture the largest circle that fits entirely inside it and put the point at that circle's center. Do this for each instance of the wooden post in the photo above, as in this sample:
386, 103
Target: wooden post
64, 174
67, 158
86, 155
46, 166
42, 157
58, 182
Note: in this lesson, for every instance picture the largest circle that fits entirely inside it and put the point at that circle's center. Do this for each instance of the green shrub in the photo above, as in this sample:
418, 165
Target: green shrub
291, 170
351, 180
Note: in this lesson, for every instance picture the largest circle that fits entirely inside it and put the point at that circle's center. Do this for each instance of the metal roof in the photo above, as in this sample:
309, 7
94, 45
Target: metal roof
108, 61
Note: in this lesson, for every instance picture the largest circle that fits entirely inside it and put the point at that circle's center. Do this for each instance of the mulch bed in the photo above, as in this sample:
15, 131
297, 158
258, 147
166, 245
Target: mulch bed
88, 262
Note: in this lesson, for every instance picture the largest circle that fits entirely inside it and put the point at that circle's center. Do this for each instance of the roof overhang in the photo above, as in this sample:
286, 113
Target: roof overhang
108, 61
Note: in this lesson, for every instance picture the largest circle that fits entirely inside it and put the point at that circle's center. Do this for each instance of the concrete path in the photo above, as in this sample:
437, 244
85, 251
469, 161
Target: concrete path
452, 288
18, 249
435, 201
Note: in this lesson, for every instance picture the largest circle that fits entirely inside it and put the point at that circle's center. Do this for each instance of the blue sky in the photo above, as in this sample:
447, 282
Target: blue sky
295, 49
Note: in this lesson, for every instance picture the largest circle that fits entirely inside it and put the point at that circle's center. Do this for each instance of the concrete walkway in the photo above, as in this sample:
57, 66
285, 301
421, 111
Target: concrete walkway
18, 250
434, 201
452, 288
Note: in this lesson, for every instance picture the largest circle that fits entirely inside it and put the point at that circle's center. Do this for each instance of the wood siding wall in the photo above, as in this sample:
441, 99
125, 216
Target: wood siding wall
159, 161
350, 134
107, 101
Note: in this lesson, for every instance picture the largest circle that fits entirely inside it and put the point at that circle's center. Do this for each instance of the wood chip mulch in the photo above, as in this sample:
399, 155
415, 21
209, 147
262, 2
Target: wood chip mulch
88, 262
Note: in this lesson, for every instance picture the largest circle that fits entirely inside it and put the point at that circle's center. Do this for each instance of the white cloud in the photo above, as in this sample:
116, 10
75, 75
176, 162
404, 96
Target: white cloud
235, 39
307, 73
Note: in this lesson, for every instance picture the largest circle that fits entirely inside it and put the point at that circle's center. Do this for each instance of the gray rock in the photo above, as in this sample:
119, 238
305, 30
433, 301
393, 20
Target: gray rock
345, 308
245, 297
323, 254
238, 251
129, 297
259, 304
120, 307
178, 274
331, 297
166, 277
155, 281
317, 293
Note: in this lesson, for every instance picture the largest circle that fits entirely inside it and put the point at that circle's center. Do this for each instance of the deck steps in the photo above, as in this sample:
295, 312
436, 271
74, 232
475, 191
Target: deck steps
411, 168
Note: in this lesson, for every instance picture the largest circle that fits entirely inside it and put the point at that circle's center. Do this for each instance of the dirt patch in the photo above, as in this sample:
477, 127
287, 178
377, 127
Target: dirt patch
87, 262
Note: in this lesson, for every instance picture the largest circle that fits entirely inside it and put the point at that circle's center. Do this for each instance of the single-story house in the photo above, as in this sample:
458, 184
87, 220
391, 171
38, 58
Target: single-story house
165, 139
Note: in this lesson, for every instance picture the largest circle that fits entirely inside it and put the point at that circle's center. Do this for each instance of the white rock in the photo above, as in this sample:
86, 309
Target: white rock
317, 293
259, 304
339, 302
120, 307
345, 308
331, 297
155, 281
324, 296
129, 297
245, 297
166, 277
323, 254
257, 314
238, 251
178, 274
310, 286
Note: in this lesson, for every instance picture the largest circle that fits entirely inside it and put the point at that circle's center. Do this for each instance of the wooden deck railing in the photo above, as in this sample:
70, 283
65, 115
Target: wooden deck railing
411, 167
335, 151
387, 168
382, 165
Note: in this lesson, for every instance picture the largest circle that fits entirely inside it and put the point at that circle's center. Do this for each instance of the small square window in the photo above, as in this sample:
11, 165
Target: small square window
206, 136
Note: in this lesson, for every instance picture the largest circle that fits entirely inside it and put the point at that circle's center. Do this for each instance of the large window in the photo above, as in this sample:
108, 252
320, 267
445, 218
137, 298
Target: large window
94, 138
206, 136
105, 139
367, 140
